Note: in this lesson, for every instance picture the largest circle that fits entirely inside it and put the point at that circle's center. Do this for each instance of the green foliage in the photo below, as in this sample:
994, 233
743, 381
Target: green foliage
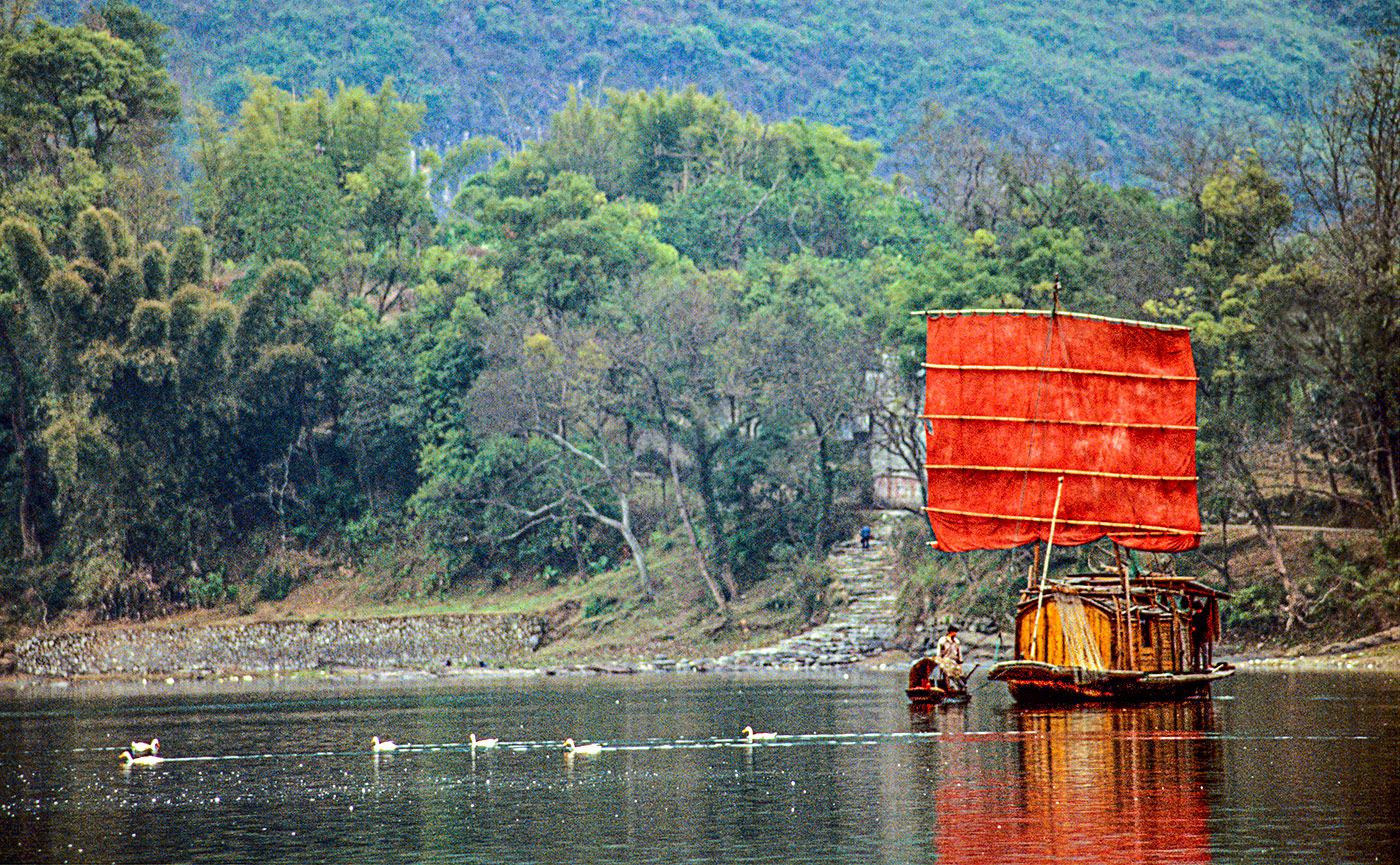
1117, 76
155, 271
142, 402
211, 589
985, 585
85, 88
126, 21
95, 239
187, 262
278, 581
31, 259
567, 247
598, 605
326, 181
1254, 609
727, 185
1382, 583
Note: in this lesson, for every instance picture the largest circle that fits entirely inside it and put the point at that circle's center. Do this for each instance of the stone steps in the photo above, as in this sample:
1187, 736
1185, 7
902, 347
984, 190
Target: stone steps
865, 626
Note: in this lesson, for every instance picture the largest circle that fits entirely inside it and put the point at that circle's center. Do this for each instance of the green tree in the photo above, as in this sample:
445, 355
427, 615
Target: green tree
165, 411
328, 181
1347, 317
1233, 271
559, 382
569, 246
814, 350
128, 381
75, 87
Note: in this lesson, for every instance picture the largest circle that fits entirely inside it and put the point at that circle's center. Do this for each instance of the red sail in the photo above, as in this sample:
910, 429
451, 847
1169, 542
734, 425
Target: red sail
1015, 401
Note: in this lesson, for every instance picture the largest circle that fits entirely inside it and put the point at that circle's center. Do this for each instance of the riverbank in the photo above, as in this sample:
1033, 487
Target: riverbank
580, 628
1377, 651
425, 642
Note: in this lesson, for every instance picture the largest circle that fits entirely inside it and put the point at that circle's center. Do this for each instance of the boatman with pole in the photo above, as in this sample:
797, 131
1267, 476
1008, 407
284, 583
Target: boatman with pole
950, 659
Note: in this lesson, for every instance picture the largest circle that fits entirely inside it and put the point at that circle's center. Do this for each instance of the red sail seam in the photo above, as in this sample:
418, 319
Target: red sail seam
1163, 530
1182, 427
1079, 472
1066, 370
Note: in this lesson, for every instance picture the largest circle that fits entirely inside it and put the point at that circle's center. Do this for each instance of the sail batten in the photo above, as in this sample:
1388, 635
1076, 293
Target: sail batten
981, 367
1056, 420
1128, 528
1047, 313
1062, 471
1014, 400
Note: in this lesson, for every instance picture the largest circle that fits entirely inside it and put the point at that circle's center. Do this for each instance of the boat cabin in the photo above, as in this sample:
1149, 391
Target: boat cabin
1152, 624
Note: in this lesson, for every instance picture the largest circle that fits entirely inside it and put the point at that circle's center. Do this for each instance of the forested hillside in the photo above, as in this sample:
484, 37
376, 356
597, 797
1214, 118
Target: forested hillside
661, 326
1107, 78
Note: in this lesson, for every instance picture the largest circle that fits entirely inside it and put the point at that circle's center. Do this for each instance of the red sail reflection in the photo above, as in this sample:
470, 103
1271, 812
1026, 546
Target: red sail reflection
1092, 785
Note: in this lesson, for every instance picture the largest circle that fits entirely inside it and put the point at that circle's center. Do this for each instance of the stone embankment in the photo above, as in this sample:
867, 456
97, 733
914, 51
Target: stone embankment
863, 627
418, 642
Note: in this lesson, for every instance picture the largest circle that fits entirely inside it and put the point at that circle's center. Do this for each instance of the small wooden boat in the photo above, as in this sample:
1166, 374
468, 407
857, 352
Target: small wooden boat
928, 687
1058, 428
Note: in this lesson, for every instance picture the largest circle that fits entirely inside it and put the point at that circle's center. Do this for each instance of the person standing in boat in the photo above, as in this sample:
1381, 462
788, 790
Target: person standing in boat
950, 659
1201, 634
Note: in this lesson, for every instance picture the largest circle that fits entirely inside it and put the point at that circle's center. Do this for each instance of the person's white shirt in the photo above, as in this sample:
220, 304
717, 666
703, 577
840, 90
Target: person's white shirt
951, 648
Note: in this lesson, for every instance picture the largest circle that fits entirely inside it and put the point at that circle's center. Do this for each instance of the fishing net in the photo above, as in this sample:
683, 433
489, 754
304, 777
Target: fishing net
1081, 646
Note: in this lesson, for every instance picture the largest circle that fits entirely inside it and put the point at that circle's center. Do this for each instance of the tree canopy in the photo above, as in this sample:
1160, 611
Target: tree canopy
660, 320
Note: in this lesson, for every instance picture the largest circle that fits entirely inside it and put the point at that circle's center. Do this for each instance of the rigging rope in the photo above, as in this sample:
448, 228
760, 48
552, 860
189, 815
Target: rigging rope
1081, 646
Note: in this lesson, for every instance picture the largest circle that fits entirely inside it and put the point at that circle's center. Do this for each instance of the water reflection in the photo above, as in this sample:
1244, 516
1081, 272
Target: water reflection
1100, 785
1119, 785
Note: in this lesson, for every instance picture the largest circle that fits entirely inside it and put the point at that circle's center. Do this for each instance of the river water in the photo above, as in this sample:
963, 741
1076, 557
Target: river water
1275, 768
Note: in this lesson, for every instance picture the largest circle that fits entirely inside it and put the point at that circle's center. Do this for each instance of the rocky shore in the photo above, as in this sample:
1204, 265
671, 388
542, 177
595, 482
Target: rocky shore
859, 629
419, 642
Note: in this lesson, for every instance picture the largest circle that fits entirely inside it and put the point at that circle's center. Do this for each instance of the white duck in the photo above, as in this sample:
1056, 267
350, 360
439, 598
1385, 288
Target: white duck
592, 748
385, 744
151, 747
484, 743
751, 736
147, 760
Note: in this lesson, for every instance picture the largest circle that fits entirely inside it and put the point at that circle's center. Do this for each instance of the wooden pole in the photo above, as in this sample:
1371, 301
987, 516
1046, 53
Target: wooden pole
1045, 572
1127, 607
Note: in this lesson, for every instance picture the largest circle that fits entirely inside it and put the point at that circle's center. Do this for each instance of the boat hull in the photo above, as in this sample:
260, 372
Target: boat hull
924, 689
1037, 683
935, 696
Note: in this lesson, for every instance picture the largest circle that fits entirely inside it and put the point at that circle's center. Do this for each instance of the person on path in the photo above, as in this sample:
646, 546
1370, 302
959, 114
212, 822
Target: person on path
950, 659
865, 537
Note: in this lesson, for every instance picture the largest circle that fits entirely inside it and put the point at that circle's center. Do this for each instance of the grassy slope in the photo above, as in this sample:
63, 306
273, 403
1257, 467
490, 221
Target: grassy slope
599, 618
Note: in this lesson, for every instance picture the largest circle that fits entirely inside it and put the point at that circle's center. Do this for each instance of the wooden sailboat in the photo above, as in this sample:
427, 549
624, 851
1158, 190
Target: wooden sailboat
1054, 427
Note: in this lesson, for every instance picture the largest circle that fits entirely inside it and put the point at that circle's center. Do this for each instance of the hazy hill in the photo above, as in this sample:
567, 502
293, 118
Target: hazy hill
1118, 74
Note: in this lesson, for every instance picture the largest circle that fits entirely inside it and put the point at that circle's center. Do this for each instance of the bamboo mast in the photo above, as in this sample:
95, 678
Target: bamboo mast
1045, 572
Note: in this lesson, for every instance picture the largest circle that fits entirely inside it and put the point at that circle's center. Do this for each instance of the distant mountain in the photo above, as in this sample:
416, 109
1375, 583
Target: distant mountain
1117, 75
